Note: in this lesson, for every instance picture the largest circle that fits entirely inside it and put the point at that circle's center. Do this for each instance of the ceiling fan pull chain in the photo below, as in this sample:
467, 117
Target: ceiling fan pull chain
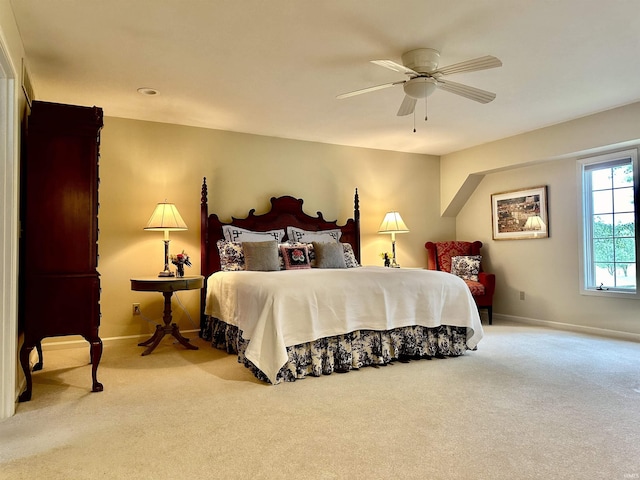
425, 109
414, 121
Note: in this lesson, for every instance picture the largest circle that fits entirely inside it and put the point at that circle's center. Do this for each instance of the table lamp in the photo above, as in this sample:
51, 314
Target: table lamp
167, 219
393, 224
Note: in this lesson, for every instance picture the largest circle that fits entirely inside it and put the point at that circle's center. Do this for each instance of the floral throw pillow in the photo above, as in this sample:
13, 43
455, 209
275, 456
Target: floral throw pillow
296, 257
349, 256
466, 267
231, 256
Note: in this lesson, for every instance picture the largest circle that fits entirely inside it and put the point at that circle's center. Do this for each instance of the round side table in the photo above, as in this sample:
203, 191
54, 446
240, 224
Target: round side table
166, 285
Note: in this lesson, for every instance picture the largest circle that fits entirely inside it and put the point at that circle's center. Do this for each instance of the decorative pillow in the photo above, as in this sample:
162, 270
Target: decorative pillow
239, 235
231, 256
295, 257
466, 266
312, 252
446, 250
349, 256
329, 255
305, 236
261, 256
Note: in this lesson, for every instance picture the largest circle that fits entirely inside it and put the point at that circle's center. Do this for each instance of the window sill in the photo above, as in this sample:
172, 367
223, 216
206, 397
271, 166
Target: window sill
594, 292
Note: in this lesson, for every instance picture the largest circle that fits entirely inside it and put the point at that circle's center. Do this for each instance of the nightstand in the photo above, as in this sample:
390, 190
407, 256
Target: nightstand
166, 286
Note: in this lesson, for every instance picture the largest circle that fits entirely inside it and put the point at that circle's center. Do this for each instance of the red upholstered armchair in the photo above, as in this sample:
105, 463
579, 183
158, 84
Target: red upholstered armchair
439, 258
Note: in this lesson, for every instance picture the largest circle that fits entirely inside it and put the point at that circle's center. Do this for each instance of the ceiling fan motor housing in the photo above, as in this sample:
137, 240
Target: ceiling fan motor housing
422, 60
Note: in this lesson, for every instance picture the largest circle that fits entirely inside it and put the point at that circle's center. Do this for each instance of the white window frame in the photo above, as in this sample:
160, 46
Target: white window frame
585, 225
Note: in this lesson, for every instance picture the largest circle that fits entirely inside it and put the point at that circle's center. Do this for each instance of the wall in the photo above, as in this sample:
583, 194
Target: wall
547, 270
143, 163
461, 171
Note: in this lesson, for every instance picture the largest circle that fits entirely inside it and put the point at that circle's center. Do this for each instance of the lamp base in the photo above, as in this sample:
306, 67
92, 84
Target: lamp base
166, 272
394, 264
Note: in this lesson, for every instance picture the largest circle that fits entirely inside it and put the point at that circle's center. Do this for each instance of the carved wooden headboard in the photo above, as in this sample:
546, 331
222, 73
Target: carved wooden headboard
285, 212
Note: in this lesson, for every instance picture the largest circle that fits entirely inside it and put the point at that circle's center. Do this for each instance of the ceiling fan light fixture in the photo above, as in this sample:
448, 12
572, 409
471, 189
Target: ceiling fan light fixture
420, 87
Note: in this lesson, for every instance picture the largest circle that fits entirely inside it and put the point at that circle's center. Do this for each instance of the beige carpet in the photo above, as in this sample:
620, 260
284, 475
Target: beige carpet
531, 403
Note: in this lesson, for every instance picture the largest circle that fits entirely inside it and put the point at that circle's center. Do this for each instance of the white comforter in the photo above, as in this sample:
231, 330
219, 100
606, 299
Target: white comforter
289, 307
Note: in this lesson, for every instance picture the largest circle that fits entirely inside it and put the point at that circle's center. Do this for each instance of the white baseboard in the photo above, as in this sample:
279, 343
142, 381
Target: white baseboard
135, 339
53, 344
601, 332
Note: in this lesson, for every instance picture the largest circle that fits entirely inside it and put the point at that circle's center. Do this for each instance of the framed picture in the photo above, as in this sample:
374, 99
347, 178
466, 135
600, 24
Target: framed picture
520, 214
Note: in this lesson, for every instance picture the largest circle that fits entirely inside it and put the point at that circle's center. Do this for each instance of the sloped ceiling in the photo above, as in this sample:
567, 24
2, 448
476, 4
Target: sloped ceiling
275, 67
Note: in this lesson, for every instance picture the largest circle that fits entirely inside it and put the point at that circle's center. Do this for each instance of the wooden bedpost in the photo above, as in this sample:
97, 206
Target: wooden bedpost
204, 245
356, 218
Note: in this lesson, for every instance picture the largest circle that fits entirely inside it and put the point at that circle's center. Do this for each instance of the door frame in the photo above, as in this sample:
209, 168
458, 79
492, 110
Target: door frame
9, 207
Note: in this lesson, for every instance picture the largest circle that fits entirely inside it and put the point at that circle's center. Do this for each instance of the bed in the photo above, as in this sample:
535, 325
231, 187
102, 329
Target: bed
317, 310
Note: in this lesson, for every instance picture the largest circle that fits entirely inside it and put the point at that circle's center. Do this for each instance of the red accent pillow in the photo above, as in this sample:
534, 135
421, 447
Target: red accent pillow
295, 257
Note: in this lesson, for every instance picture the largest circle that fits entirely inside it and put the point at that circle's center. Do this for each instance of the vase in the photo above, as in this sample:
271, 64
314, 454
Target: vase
179, 270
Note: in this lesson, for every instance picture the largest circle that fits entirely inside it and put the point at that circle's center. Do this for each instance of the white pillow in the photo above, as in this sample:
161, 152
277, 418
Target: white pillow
297, 235
239, 235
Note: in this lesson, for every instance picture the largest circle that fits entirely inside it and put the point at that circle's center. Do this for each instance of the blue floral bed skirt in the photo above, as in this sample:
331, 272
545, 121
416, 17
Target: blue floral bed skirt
345, 352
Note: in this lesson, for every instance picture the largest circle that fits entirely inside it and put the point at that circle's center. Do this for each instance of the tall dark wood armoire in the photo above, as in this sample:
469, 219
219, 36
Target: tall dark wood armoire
59, 212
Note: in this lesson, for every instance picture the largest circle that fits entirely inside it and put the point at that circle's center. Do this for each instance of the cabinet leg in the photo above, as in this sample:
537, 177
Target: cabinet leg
96, 354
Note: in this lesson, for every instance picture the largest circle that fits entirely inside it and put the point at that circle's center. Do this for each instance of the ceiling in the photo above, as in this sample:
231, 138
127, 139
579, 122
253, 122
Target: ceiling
275, 67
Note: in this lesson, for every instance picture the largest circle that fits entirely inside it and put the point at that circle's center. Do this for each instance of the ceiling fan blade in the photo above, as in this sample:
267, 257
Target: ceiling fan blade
407, 106
481, 63
396, 67
369, 89
471, 93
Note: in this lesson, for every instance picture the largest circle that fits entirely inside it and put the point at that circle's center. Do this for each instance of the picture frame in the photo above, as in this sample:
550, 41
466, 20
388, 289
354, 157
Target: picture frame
520, 214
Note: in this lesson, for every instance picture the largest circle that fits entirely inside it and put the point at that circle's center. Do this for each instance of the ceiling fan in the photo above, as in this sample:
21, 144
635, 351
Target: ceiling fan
421, 65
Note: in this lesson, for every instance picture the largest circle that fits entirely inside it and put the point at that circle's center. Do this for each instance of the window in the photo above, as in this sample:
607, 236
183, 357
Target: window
609, 224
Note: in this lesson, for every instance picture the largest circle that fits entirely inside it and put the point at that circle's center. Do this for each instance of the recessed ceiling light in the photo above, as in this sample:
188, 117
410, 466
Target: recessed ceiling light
148, 91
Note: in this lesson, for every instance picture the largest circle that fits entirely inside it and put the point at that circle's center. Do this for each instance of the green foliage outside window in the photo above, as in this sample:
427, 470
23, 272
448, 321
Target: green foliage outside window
613, 226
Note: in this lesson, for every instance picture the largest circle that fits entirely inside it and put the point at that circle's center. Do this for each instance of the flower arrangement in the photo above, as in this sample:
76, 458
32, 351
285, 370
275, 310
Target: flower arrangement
387, 258
180, 260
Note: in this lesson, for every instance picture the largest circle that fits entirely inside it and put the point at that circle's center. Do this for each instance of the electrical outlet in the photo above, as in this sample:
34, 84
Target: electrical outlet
521, 295
136, 309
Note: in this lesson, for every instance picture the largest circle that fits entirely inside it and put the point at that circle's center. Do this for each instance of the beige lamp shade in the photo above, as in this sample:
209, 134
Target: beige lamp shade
166, 217
393, 223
